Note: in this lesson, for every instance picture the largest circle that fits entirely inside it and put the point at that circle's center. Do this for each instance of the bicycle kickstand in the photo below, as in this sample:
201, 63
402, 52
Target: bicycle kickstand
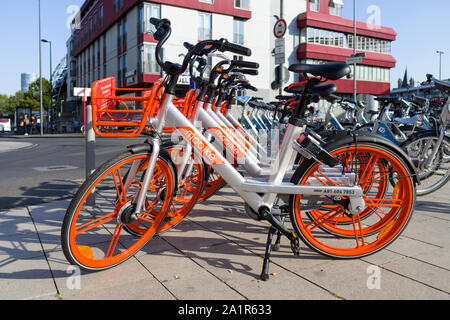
265, 269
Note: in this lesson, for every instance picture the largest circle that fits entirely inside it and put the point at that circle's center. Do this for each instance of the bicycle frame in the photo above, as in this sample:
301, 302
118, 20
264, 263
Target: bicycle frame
248, 190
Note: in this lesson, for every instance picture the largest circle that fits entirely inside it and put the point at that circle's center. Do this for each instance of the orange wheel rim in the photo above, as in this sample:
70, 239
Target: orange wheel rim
389, 213
113, 251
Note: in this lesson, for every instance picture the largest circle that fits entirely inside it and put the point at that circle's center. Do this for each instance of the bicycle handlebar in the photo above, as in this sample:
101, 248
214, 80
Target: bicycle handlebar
163, 32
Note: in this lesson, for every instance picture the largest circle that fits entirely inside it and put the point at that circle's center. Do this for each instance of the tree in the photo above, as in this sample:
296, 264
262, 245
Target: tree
30, 99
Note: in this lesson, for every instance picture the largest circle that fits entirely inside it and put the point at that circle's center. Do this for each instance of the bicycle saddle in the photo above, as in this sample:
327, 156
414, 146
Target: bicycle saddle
324, 90
295, 88
332, 98
281, 97
442, 86
387, 100
331, 70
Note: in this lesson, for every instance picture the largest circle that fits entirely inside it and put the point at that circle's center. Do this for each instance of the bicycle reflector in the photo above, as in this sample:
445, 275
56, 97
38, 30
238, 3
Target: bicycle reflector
86, 251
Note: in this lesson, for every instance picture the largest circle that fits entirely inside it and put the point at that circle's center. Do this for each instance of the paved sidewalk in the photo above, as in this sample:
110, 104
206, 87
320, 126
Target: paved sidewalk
216, 253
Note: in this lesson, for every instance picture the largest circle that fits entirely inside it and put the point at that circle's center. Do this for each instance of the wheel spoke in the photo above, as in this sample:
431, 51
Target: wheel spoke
119, 187
324, 218
95, 223
114, 240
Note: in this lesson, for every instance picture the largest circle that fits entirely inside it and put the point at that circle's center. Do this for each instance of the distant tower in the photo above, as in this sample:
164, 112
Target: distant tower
405, 83
26, 79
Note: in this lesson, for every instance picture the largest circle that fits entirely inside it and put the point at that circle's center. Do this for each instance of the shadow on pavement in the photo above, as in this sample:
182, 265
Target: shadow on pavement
43, 193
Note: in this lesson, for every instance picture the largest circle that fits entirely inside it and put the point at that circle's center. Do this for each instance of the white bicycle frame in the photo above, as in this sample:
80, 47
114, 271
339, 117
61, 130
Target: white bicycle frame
255, 194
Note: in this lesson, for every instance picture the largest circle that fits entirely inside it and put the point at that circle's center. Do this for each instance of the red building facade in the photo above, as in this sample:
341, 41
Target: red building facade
326, 36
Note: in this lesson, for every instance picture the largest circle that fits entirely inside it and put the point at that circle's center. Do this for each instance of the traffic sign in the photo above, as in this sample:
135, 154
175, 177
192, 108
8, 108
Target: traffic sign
280, 51
280, 28
353, 60
280, 45
280, 58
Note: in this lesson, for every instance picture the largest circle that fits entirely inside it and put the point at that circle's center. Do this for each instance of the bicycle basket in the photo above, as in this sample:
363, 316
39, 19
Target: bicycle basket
122, 116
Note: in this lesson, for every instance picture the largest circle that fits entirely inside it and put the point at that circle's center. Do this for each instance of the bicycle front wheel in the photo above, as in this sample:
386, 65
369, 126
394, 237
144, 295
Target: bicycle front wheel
92, 235
325, 223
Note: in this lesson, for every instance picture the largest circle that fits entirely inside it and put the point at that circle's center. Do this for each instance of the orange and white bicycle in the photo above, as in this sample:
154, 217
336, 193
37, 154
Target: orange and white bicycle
339, 196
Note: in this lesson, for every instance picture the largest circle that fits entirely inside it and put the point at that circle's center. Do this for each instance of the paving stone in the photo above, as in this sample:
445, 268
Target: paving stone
241, 270
350, 278
97, 284
185, 279
423, 272
26, 278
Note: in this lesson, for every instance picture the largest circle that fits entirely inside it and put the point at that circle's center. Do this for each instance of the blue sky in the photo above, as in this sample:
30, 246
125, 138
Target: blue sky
20, 33
421, 27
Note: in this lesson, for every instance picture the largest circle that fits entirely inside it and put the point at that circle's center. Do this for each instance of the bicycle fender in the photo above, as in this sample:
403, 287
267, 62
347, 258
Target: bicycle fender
361, 136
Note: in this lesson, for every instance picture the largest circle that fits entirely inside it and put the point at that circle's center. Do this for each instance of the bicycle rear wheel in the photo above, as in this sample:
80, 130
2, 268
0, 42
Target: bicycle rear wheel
215, 182
419, 148
92, 235
326, 225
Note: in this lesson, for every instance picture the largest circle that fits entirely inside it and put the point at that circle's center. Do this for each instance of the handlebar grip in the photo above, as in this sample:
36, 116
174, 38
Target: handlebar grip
245, 64
188, 45
155, 21
235, 48
251, 72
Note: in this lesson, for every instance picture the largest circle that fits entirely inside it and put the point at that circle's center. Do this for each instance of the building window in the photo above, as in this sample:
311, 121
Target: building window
119, 35
148, 64
122, 34
101, 15
93, 62
122, 68
341, 40
146, 12
207, 1
85, 31
238, 31
95, 21
336, 7
73, 68
104, 48
242, 4
314, 5
204, 26
118, 4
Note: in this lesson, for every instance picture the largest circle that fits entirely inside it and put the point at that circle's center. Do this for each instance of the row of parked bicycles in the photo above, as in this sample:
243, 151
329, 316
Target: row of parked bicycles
346, 192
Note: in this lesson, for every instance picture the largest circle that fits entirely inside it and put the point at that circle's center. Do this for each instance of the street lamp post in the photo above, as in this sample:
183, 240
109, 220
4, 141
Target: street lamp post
440, 63
355, 39
49, 119
40, 71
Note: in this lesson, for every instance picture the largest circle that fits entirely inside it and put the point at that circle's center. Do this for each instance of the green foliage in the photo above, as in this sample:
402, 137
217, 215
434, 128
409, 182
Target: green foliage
29, 99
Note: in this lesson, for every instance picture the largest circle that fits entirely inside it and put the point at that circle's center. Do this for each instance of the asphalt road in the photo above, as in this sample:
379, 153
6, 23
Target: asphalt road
49, 169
